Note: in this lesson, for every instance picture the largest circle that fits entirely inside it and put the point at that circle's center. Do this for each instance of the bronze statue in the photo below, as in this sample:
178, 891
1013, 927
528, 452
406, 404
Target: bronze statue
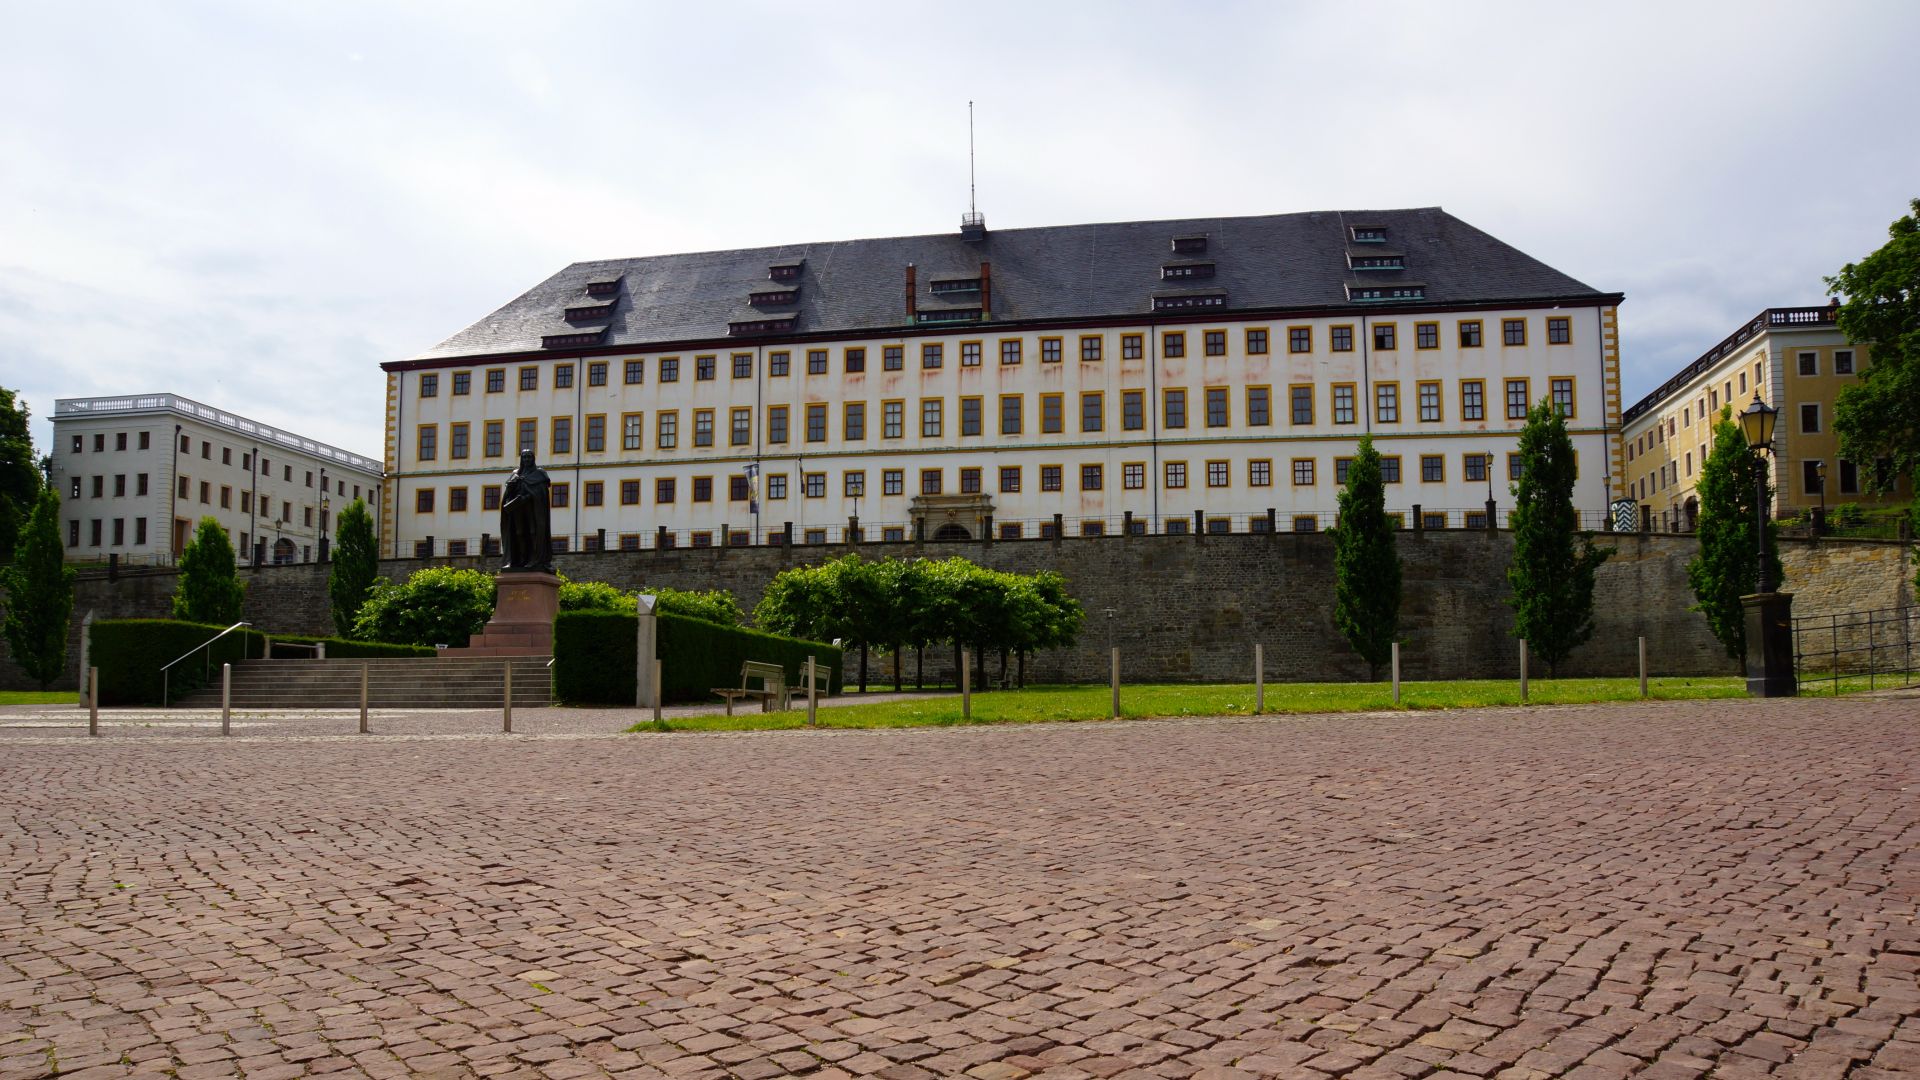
526, 522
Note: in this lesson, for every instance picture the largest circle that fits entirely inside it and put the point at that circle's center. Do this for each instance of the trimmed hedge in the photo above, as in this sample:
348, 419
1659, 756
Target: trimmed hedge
129, 653
345, 648
594, 657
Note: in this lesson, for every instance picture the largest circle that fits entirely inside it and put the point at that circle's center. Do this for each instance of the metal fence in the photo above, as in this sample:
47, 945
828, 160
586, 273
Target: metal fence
1857, 650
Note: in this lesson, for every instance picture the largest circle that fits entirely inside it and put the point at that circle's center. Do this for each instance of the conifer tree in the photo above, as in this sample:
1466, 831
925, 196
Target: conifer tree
1727, 566
1553, 565
356, 564
209, 590
1366, 587
39, 587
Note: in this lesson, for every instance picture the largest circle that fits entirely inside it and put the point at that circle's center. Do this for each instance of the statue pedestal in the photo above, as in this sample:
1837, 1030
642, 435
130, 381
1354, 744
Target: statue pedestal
522, 623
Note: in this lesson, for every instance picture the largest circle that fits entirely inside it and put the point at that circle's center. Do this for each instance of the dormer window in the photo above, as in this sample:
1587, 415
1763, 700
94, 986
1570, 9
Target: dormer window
589, 312
951, 286
1377, 293
1377, 262
773, 297
604, 287
574, 339
1195, 244
1186, 271
772, 324
947, 315
1369, 234
1187, 301
785, 271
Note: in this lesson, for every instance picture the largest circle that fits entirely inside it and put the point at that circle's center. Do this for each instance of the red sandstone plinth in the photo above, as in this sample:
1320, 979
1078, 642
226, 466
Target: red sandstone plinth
522, 623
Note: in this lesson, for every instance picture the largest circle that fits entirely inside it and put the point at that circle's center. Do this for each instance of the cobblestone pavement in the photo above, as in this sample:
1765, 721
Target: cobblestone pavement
1666, 891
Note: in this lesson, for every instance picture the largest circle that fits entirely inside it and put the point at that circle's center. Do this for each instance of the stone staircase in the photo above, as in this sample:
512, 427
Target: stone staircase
427, 682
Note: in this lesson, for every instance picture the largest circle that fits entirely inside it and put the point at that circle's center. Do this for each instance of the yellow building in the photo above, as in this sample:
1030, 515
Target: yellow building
1797, 360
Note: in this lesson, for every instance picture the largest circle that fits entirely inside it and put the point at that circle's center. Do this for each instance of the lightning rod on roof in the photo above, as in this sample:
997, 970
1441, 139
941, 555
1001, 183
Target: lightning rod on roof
973, 224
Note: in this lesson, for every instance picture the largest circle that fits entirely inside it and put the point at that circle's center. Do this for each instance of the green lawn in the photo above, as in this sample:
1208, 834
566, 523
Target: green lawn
39, 697
1056, 703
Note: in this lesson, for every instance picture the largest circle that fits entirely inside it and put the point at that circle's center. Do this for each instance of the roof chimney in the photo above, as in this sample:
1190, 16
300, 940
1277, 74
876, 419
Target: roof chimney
986, 290
912, 302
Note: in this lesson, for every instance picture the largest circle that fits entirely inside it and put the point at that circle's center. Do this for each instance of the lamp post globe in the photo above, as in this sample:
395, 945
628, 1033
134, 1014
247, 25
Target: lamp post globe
1757, 424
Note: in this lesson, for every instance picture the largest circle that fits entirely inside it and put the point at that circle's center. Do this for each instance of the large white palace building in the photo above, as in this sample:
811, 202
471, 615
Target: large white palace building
1161, 376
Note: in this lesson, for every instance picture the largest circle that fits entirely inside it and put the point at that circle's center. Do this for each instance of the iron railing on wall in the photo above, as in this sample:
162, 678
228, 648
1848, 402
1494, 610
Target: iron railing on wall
1850, 651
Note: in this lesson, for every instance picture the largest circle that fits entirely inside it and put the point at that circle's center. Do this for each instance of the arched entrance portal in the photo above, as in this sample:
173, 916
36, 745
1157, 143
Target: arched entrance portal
282, 551
952, 532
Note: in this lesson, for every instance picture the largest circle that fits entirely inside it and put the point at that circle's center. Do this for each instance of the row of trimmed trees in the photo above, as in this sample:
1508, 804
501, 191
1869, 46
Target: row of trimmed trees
897, 604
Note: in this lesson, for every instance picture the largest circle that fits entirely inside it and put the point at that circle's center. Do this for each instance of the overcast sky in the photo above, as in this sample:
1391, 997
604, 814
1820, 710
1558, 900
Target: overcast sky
254, 204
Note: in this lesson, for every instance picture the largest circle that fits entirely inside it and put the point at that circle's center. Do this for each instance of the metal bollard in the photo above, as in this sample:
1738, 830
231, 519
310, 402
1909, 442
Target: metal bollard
966, 687
1523, 671
1115, 679
656, 691
226, 699
1643, 668
813, 691
1396, 673
506, 706
93, 702
363, 699
1259, 680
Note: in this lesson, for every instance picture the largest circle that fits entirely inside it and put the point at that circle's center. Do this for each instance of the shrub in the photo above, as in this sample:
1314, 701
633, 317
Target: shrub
436, 606
39, 588
594, 657
592, 596
130, 652
209, 590
711, 605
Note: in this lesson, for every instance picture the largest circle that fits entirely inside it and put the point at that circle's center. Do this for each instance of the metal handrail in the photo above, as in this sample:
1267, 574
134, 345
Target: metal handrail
166, 674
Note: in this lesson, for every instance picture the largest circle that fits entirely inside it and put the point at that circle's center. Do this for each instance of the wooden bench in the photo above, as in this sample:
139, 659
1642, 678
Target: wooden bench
773, 686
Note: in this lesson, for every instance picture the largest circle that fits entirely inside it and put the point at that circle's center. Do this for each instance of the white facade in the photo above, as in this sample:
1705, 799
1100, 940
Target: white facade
1140, 427
136, 474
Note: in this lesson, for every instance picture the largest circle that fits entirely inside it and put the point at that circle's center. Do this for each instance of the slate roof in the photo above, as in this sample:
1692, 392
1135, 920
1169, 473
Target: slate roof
1057, 273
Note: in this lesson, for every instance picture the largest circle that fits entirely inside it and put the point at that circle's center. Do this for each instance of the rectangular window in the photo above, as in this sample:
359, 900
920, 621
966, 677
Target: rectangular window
1849, 478
1010, 479
562, 431
1474, 466
1009, 353
1133, 475
893, 481
1383, 336
462, 383
1050, 351
930, 418
743, 365
1299, 339
1218, 474
893, 419
1133, 410
495, 436
1173, 408
630, 431
1513, 331
929, 481
1386, 403
634, 371
1260, 473
529, 378
458, 442
1470, 333
1092, 411
855, 360
1514, 468
739, 489
1842, 365
429, 386
778, 364
528, 432
1132, 346
1173, 344
813, 485
226, 498
1809, 363
592, 493
703, 368
1176, 474
1562, 392
969, 354
1214, 343
853, 421
1559, 330
1217, 412
1259, 408
1473, 400
1090, 345
1516, 399
777, 486
970, 481
1050, 478
140, 484
1302, 403
1433, 468
596, 375
970, 416
562, 376
429, 442
1010, 410
853, 484
666, 430
776, 423
1053, 418
893, 357
739, 428
703, 427
490, 496
1343, 407
423, 501
702, 489
596, 434
629, 493
1426, 335
1091, 477
1810, 417
932, 354
1257, 341
817, 422
1341, 466
669, 369
1302, 472
1429, 401
1341, 339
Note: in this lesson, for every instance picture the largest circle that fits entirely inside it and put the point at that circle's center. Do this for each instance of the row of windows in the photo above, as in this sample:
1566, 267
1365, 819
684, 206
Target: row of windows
225, 493
1215, 403
1303, 472
1256, 341
119, 441
97, 533
335, 484
119, 486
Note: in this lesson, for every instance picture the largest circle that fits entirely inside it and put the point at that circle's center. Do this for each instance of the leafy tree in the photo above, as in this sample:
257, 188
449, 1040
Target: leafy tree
1551, 574
356, 565
209, 590
1366, 563
435, 606
19, 472
593, 596
1878, 416
1726, 567
39, 587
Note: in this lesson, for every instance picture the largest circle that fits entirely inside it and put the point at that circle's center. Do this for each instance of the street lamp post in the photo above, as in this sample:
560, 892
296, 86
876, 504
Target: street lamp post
1820, 480
1491, 523
1769, 644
